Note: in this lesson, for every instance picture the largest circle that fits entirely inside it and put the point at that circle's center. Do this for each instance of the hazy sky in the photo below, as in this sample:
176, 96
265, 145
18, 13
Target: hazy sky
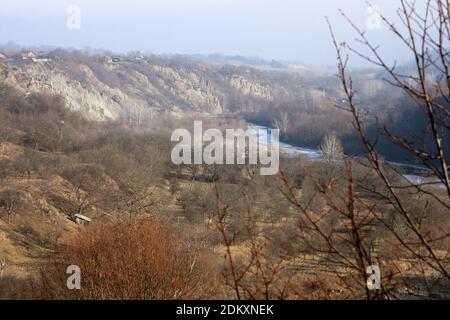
279, 29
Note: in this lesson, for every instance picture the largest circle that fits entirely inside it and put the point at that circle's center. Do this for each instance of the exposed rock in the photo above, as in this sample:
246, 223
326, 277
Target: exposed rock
101, 90
251, 88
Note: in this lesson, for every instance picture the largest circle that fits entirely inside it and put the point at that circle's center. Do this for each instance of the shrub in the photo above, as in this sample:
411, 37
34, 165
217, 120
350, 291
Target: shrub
138, 260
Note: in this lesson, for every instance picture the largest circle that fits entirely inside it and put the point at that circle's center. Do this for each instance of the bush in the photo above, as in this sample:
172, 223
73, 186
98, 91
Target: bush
138, 260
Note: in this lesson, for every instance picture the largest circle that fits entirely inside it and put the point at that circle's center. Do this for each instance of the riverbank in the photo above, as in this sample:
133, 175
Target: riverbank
415, 174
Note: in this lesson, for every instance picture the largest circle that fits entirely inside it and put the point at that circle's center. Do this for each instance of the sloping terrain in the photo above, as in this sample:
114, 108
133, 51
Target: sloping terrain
129, 87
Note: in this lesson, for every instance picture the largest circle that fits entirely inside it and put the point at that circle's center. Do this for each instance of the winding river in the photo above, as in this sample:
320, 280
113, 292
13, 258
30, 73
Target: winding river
289, 150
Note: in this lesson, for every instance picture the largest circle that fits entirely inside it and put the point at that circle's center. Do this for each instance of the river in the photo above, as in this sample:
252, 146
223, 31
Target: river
289, 150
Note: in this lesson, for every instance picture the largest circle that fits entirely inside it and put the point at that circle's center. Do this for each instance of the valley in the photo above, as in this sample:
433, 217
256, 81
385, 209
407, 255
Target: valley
88, 135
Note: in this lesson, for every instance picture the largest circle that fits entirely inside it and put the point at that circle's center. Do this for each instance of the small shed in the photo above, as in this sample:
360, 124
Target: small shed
81, 220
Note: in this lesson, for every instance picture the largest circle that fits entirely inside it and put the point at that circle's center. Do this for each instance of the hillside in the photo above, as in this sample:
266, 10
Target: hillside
135, 86
89, 136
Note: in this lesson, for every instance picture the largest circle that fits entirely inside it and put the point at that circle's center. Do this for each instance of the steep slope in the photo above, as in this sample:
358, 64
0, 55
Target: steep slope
129, 87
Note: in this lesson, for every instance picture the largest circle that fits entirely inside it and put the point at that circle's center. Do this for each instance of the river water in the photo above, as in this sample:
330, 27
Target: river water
289, 150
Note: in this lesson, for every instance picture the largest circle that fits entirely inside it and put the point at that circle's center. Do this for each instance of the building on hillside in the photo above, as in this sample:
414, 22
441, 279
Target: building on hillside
116, 59
139, 57
41, 57
28, 55
112, 60
81, 220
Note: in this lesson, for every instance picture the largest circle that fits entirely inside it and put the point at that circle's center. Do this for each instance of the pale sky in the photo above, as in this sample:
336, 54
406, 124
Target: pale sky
271, 29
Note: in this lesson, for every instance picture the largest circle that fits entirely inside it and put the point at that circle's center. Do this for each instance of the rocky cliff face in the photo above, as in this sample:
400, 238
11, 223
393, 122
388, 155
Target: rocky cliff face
252, 88
102, 88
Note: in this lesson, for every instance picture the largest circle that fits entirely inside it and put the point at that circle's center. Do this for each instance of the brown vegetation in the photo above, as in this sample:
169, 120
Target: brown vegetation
139, 260
161, 231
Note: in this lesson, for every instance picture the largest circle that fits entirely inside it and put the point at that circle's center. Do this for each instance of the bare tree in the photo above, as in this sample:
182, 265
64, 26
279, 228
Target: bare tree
331, 148
5, 168
9, 201
255, 276
333, 154
82, 200
282, 123
426, 34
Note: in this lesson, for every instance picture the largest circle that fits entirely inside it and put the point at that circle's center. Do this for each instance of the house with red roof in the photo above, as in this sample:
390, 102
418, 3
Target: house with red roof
28, 55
